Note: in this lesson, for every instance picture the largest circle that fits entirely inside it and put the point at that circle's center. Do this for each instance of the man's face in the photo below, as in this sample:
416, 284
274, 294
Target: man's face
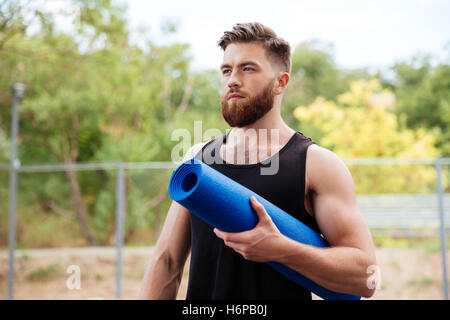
246, 72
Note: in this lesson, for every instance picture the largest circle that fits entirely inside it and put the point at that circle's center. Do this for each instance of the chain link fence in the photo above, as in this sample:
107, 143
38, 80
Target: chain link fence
399, 198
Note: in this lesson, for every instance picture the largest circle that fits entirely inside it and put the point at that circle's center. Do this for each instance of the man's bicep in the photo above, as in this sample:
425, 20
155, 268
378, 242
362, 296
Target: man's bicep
335, 206
339, 221
175, 237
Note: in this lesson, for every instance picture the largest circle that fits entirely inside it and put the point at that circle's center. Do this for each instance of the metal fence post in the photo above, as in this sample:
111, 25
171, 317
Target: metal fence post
18, 92
120, 210
442, 225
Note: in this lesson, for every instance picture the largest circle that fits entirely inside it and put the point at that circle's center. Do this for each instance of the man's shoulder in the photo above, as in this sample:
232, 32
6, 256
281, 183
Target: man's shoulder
192, 152
317, 153
323, 165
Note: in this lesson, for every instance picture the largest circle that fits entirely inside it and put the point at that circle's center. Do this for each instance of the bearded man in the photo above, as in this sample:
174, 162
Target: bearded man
309, 182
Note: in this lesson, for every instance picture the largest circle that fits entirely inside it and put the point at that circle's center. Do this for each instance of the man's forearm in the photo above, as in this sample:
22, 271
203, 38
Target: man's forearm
160, 281
340, 269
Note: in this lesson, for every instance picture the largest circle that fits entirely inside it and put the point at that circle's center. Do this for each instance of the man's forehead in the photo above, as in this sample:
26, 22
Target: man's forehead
236, 53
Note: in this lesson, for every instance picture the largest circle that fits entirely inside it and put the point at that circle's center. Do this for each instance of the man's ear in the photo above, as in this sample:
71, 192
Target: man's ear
282, 81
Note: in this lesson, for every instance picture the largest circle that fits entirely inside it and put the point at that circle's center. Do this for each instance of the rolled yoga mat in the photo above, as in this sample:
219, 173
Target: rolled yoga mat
224, 204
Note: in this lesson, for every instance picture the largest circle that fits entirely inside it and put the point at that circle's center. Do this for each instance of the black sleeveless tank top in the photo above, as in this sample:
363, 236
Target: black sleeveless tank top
217, 271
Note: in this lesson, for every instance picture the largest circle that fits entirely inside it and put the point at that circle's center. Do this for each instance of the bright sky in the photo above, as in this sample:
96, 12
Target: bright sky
364, 33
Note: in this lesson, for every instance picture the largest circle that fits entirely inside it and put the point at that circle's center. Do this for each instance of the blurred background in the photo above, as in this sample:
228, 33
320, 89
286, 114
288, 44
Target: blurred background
91, 91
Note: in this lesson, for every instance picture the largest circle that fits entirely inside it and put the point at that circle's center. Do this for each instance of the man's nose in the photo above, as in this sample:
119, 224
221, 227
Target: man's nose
234, 81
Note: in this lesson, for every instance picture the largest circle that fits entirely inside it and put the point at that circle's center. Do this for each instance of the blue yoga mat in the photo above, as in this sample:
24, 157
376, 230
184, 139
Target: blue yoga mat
224, 204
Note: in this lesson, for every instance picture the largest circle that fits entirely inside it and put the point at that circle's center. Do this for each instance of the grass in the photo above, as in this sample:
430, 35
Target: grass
99, 277
395, 265
428, 245
47, 272
23, 255
422, 283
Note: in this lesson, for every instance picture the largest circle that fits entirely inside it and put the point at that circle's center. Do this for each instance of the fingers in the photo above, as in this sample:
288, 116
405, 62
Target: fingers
232, 240
232, 237
245, 236
236, 243
263, 216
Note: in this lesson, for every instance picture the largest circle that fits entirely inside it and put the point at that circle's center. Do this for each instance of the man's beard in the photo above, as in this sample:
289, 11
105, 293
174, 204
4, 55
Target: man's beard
245, 111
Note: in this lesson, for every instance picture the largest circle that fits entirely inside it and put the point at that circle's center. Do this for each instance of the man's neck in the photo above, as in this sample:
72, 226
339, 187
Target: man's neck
270, 124
259, 140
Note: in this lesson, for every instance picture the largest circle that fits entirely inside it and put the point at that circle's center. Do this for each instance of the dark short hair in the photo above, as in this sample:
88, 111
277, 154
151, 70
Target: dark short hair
277, 48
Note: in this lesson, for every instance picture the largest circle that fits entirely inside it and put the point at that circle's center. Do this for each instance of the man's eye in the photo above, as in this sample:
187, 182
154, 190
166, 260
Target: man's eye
249, 68
225, 71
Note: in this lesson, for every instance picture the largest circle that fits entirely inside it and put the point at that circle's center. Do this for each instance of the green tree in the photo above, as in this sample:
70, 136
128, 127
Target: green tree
363, 125
315, 73
423, 97
94, 96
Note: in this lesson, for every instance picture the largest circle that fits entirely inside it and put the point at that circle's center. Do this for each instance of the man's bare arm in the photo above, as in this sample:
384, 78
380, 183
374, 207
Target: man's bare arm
165, 268
343, 266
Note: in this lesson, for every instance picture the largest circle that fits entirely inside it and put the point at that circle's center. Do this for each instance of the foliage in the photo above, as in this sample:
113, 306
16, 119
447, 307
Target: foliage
93, 95
423, 94
315, 73
362, 125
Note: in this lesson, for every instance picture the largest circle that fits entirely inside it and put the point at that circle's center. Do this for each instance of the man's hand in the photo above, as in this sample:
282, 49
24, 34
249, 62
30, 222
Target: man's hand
260, 244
